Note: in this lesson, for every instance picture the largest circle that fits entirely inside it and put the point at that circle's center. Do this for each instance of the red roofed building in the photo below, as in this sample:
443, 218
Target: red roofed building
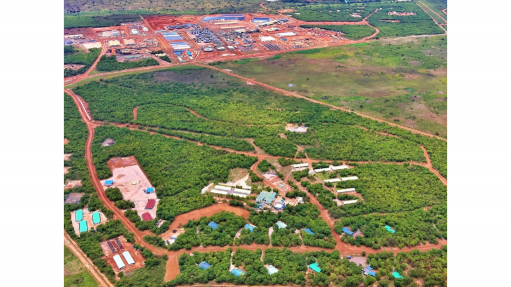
150, 204
147, 217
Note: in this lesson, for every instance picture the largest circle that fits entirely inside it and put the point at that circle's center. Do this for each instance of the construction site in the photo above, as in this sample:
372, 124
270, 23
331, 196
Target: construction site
121, 255
208, 38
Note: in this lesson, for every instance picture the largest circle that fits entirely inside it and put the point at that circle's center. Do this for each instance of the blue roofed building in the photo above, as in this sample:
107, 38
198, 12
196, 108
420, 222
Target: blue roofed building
389, 229
250, 227
347, 231
238, 272
150, 190
315, 267
397, 275
272, 269
213, 225
369, 271
109, 182
308, 231
203, 265
281, 224
266, 197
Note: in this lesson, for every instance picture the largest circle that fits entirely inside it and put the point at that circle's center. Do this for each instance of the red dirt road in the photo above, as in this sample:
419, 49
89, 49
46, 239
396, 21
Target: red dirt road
78, 78
425, 10
135, 113
93, 270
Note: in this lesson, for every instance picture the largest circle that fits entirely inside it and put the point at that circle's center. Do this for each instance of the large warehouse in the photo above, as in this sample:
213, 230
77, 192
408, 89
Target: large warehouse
83, 226
128, 258
119, 262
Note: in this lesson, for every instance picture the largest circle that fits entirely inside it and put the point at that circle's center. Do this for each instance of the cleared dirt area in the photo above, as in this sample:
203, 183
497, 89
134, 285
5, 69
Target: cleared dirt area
66, 141
66, 169
136, 255
72, 183
182, 219
67, 155
359, 260
87, 216
132, 181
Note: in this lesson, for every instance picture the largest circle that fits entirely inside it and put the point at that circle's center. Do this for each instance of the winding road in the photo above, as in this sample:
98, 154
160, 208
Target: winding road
172, 267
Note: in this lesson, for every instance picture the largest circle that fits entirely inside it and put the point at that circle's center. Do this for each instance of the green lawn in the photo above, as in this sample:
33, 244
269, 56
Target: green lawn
75, 273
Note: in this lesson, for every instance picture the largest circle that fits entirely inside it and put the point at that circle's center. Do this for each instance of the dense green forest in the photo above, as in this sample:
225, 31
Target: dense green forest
74, 56
412, 228
354, 32
244, 112
228, 225
165, 161
110, 63
296, 217
429, 266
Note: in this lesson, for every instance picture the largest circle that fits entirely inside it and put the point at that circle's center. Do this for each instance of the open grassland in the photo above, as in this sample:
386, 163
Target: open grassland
75, 273
404, 81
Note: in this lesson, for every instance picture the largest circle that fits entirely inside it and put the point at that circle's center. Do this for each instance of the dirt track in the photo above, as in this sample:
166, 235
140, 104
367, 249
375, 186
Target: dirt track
291, 94
172, 266
439, 25
93, 270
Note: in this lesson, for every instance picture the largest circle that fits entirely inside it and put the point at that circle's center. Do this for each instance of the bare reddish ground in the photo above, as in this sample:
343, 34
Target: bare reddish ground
66, 141
135, 113
182, 219
109, 256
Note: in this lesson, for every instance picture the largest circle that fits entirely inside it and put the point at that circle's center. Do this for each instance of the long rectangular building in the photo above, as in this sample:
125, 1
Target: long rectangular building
332, 180
345, 190
128, 258
119, 262
349, 178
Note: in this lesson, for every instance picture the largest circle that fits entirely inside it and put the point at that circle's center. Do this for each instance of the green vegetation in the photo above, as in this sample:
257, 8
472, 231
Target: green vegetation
178, 194
420, 24
402, 81
79, 21
73, 56
109, 63
296, 217
335, 12
265, 166
75, 273
89, 242
114, 194
76, 132
227, 142
430, 266
412, 228
259, 236
354, 32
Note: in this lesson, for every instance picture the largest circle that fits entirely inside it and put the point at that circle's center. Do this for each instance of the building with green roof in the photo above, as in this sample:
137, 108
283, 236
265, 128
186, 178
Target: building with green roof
79, 215
96, 218
83, 226
397, 275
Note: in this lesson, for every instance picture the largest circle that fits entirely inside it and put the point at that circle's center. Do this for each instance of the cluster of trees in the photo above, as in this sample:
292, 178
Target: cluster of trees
73, 56
260, 235
286, 161
296, 217
96, 204
227, 142
420, 24
155, 240
76, 132
165, 161
412, 228
114, 194
292, 266
275, 145
186, 240
298, 175
324, 196
308, 138
265, 166
110, 63
124, 204
228, 226
354, 32
401, 188
344, 142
